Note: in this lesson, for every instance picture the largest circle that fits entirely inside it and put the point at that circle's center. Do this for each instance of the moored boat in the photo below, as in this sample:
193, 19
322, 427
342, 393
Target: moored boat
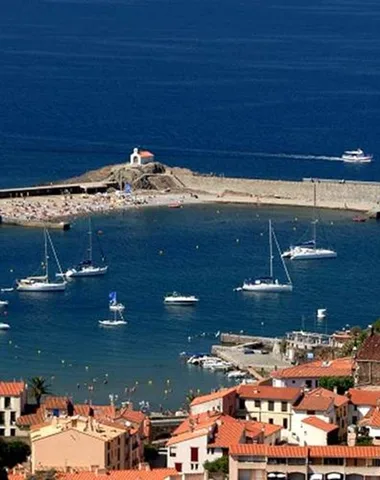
114, 305
176, 298
4, 326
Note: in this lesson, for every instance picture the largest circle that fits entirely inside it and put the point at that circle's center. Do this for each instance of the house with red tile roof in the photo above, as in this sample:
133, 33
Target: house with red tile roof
367, 371
307, 375
371, 422
265, 403
320, 418
154, 474
361, 401
13, 397
332, 462
208, 436
223, 401
140, 157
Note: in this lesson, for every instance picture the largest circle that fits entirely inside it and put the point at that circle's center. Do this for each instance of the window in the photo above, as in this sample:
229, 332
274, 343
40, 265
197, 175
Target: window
7, 402
310, 412
354, 419
241, 403
2, 432
244, 475
13, 432
2, 418
194, 466
194, 454
308, 384
285, 423
257, 403
210, 451
333, 461
254, 419
13, 417
270, 421
172, 452
178, 467
284, 406
270, 405
293, 381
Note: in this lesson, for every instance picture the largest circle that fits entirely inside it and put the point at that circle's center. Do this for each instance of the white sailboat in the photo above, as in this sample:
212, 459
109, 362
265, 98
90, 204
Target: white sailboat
269, 284
117, 320
309, 250
114, 305
42, 283
87, 268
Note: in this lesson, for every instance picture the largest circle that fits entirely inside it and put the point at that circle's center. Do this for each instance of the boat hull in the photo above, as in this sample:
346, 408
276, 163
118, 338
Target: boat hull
86, 272
41, 287
312, 254
112, 323
183, 303
267, 287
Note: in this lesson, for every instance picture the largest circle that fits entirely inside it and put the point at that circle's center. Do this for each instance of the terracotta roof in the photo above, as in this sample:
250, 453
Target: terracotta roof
341, 367
145, 153
253, 449
212, 396
202, 420
321, 399
183, 437
55, 403
267, 428
228, 432
371, 419
132, 416
320, 424
11, 389
268, 392
341, 451
31, 419
155, 474
364, 397
370, 349
330, 451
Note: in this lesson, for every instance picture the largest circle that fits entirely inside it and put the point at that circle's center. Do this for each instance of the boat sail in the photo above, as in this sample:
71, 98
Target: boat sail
42, 283
309, 250
269, 284
117, 320
114, 305
87, 268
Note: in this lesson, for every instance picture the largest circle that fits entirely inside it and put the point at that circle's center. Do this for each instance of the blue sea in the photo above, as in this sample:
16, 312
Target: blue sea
274, 89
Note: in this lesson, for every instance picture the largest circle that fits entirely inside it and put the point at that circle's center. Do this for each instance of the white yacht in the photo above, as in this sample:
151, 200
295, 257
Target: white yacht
269, 284
356, 156
42, 283
310, 250
178, 299
4, 326
114, 305
87, 268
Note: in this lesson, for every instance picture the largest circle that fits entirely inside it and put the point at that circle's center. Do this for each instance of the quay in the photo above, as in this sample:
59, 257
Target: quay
56, 189
35, 223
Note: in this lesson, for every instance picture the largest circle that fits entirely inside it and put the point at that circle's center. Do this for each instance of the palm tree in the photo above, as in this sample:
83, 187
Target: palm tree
39, 387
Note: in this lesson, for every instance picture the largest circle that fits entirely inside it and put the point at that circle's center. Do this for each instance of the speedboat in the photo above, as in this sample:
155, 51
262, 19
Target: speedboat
356, 156
178, 299
236, 374
309, 253
112, 323
4, 326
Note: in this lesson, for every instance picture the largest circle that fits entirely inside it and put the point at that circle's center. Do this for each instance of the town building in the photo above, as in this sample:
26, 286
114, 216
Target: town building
97, 474
13, 397
140, 157
259, 462
223, 401
361, 401
308, 375
320, 418
367, 371
79, 442
268, 404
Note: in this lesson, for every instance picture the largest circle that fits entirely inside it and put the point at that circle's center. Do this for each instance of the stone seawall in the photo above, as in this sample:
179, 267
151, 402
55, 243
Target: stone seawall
363, 196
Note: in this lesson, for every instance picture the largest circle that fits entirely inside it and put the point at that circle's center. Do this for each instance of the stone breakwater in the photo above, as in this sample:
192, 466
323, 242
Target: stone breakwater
361, 196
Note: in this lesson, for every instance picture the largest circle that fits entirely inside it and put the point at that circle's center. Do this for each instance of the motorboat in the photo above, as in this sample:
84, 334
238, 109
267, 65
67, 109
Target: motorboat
3, 290
4, 326
87, 268
269, 284
359, 219
175, 205
112, 323
42, 283
356, 156
309, 250
321, 313
178, 299
4, 303
236, 374
114, 305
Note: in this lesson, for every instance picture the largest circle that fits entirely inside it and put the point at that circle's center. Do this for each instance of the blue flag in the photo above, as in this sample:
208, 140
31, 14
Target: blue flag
112, 297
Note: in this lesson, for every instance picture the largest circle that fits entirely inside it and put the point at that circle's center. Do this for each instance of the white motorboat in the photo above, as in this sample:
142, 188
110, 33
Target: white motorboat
321, 313
7, 289
269, 284
309, 250
236, 374
42, 283
4, 326
356, 156
87, 268
178, 299
4, 303
114, 305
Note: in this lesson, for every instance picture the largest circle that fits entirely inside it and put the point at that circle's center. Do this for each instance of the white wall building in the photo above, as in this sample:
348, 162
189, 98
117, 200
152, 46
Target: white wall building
140, 157
13, 396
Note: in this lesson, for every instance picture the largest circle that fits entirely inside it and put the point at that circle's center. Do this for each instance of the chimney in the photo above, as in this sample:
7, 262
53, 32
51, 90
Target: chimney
351, 436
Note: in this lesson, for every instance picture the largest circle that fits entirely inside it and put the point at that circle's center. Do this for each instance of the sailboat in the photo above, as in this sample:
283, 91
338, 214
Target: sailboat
269, 284
309, 250
117, 320
114, 305
42, 283
87, 268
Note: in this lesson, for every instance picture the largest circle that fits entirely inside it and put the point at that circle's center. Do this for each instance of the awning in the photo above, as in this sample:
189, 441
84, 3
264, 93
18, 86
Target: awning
334, 476
316, 476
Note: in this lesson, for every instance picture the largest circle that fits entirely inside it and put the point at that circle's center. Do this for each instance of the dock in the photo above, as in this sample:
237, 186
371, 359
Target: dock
35, 223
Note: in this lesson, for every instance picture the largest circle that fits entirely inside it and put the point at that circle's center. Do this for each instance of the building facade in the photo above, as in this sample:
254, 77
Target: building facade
13, 397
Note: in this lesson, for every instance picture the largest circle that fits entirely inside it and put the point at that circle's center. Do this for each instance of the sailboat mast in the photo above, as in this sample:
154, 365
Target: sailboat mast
46, 256
90, 240
270, 250
315, 216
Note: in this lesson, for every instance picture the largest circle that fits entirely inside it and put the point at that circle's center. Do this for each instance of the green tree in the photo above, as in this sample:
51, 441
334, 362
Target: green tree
364, 441
220, 465
376, 325
39, 387
341, 384
11, 454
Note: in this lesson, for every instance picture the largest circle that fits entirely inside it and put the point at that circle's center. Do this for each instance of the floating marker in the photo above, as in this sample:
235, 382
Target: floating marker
237, 240
197, 246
